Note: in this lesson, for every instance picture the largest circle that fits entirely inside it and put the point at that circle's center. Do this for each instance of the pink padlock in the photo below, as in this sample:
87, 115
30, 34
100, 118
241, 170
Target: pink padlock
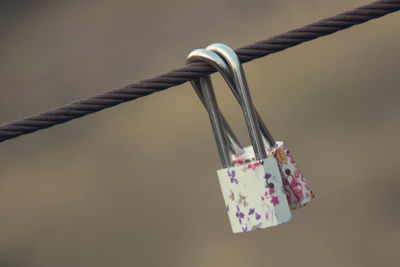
297, 190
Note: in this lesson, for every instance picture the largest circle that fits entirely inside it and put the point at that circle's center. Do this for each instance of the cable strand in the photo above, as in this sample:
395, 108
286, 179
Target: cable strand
179, 76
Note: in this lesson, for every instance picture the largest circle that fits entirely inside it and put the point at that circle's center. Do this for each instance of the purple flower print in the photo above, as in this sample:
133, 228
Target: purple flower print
251, 211
275, 201
227, 207
232, 174
244, 229
267, 175
239, 214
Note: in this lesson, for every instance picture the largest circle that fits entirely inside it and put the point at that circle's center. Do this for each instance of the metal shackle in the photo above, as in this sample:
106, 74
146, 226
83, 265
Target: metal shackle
219, 64
245, 101
204, 89
229, 55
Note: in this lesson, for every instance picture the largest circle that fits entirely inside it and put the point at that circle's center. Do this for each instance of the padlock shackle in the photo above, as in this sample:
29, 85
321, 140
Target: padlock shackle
238, 85
216, 121
229, 55
245, 100
221, 65
205, 91
234, 144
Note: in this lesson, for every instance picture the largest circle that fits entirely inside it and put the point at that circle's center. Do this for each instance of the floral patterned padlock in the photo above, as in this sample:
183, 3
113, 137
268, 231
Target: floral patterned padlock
253, 193
297, 190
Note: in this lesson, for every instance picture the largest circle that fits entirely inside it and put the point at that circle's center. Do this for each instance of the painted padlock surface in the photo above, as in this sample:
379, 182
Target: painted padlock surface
297, 190
254, 195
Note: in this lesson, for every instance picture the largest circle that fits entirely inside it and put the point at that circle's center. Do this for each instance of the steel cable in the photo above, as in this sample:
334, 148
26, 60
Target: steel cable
178, 76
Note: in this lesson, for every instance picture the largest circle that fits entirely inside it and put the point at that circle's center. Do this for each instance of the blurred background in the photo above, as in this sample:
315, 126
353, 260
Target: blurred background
136, 185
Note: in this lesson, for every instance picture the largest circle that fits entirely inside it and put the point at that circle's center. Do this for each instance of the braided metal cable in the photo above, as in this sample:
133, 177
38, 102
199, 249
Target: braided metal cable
178, 76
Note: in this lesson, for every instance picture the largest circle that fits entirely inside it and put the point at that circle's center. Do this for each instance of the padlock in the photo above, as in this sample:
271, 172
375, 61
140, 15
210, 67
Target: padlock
253, 193
297, 190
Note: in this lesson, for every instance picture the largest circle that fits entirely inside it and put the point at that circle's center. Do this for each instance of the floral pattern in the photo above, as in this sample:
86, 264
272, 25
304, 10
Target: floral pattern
256, 195
297, 190
232, 174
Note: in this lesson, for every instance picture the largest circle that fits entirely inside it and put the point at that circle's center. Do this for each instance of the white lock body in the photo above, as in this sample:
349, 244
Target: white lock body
297, 190
254, 195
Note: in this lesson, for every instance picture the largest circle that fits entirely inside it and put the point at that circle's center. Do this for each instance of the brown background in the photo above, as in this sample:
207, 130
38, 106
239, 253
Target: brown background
135, 185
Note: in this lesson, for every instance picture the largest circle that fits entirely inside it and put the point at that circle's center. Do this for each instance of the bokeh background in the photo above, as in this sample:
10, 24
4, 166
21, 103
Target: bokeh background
136, 185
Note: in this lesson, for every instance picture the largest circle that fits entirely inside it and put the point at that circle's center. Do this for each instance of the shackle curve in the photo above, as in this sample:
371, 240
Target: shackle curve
219, 64
203, 88
235, 78
239, 78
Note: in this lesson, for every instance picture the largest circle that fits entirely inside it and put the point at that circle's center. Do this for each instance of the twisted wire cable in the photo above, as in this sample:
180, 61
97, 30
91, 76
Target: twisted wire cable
176, 77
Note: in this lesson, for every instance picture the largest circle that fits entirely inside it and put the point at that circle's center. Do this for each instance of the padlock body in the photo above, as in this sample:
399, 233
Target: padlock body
254, 195
297, 190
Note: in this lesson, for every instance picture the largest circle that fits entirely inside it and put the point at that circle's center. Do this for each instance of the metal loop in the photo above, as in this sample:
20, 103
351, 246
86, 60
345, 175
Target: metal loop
234, 76
224, 69
229, 55
205, 91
